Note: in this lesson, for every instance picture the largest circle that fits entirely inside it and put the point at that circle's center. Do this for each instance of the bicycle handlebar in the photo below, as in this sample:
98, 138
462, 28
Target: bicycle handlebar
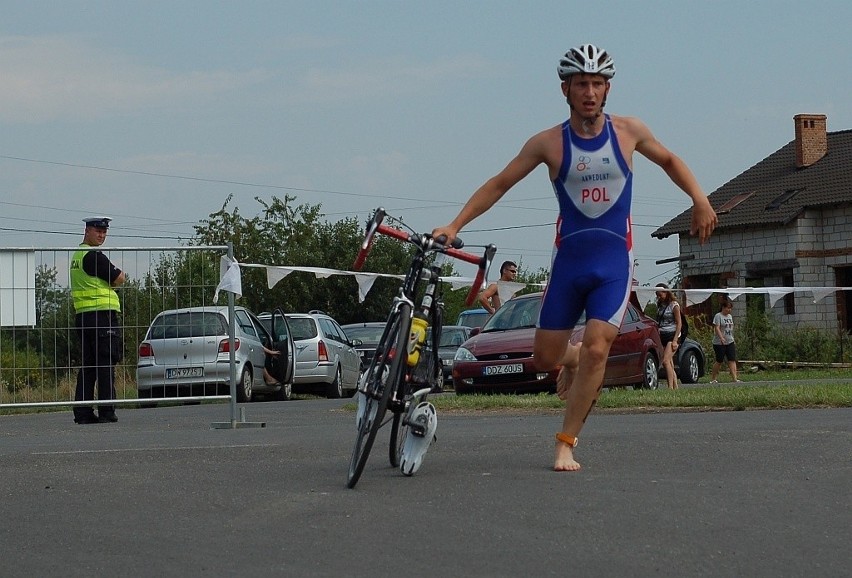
375, 226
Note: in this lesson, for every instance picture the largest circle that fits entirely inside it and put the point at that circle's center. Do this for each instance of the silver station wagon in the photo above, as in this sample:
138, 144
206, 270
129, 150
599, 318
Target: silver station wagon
326, 360
187, 352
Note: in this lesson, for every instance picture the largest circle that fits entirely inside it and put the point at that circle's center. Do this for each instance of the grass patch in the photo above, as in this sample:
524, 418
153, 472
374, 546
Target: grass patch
835, 391
754, 373
721, 398
784, 396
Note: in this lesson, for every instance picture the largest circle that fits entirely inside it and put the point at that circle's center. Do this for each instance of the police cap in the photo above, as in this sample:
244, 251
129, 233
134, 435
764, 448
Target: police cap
97, 222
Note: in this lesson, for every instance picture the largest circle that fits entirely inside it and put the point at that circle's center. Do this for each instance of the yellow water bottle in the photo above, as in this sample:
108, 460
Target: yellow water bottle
416, 338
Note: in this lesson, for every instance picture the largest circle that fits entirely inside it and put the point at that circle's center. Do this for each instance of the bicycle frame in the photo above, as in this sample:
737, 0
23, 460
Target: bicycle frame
408, 291
430, 304
384, 385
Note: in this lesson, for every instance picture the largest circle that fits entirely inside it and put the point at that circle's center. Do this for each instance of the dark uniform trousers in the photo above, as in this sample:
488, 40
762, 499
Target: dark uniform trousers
101, 347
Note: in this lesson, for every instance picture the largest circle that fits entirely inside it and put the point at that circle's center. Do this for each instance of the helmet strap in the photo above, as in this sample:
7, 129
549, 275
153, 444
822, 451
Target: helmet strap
587, 123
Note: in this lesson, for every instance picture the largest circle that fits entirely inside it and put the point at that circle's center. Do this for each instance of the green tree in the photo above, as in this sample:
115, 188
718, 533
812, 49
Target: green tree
52, 335
750, 331
296, 235
49, 295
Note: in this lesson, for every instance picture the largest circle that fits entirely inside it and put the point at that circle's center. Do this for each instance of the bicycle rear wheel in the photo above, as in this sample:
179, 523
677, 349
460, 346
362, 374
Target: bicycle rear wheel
397, 438
383, 376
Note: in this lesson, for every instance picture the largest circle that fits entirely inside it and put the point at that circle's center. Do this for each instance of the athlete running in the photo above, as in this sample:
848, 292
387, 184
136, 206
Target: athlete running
590, 161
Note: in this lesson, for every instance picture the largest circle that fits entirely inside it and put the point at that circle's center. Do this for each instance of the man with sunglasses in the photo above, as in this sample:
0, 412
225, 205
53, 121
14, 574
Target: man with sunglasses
490, 297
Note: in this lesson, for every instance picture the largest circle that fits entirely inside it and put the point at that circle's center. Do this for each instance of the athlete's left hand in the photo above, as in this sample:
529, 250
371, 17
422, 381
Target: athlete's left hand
704, 220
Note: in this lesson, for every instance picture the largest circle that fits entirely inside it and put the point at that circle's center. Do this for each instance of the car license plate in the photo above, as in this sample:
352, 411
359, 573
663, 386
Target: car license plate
178, 372
502, 369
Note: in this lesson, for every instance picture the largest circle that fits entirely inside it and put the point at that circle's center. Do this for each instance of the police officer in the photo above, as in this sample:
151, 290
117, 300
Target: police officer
93, 279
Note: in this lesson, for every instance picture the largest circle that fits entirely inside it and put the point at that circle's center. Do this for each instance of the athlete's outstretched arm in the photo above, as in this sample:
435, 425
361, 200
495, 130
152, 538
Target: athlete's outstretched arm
529, 157
704, 218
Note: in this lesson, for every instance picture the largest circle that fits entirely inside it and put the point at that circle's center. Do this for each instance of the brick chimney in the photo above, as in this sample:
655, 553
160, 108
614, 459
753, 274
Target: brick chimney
811, 139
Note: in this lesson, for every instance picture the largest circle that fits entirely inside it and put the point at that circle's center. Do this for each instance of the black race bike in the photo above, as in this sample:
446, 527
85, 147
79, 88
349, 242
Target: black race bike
402, 371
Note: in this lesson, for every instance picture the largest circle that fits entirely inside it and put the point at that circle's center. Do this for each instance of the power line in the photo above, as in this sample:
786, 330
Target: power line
210, 180
507, 204
77, 233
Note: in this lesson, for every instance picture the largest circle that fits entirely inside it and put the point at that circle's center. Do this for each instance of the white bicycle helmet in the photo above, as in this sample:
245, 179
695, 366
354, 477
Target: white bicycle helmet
586, 59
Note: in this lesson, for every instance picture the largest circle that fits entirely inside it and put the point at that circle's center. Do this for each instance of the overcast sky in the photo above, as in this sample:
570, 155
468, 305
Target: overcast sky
154, 112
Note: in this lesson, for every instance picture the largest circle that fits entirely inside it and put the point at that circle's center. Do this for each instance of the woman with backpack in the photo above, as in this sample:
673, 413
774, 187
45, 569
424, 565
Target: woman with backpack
669, 318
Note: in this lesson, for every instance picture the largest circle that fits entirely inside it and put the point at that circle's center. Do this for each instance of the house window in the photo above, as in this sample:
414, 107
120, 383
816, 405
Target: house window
776, 203
702, 313
789, 298
728, 206
843, 276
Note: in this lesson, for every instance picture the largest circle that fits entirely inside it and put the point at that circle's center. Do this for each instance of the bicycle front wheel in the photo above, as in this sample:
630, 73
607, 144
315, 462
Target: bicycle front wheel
383, 377
397, 438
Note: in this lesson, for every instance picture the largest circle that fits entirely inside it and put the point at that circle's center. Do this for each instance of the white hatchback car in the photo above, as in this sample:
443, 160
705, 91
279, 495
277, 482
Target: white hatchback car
187, 352
326, 361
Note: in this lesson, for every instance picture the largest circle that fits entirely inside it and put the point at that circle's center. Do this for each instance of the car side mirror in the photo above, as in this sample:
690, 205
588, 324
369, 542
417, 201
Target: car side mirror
356, 342
475, 331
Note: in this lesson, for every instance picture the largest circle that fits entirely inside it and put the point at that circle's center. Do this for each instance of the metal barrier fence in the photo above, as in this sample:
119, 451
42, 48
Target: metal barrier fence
39, 348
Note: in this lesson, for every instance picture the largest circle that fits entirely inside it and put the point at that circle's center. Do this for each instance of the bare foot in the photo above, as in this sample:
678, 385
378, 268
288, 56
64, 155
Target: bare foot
565, 461
564, 381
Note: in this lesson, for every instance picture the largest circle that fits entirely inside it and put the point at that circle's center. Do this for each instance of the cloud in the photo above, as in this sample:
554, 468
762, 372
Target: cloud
385, 78
65, 78
48, 78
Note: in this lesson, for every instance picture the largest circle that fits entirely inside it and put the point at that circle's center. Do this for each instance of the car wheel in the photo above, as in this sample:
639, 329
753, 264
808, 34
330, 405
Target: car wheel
335, 388
439, 380
244, 387
650, 377
285, 392
689, 367
146, 394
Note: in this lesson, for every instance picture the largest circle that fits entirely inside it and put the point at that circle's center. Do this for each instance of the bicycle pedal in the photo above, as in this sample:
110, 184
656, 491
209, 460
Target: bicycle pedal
419, 425
422, 420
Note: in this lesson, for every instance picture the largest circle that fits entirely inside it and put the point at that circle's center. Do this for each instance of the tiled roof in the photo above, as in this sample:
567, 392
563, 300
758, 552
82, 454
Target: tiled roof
776, 191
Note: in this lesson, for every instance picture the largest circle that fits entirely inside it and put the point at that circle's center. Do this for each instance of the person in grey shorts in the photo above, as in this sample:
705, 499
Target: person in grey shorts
723, 341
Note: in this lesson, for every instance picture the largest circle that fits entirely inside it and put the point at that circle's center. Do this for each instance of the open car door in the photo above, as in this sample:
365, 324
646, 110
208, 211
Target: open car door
281, 367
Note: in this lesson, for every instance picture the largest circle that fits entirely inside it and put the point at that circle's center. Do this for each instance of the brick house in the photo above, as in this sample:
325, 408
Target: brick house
785, 222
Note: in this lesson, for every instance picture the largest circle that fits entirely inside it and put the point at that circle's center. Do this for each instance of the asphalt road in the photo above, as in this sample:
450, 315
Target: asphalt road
160, 493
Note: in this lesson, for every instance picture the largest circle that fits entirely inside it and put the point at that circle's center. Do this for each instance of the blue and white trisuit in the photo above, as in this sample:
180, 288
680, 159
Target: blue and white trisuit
592, 266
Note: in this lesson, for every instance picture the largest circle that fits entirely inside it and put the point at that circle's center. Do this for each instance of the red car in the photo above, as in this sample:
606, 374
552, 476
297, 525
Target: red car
499, 358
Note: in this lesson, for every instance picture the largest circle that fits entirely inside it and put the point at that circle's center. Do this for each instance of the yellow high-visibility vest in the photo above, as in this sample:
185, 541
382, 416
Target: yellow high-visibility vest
90, 293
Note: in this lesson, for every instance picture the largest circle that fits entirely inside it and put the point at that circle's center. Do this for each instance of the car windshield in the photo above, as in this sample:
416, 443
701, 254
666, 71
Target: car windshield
518, 313
365, 334
452, 337
473, 318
